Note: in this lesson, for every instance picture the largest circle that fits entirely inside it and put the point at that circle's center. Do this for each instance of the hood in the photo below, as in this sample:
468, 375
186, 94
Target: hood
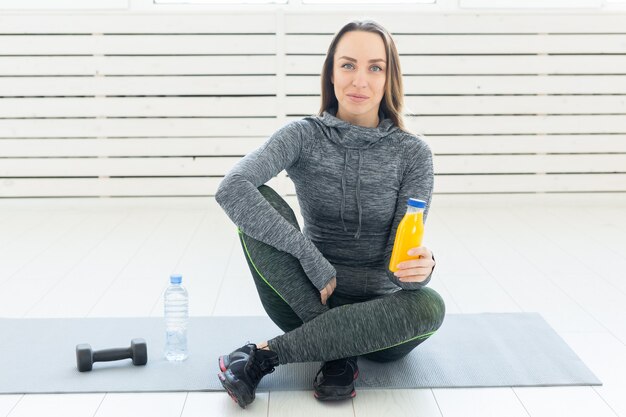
353, 138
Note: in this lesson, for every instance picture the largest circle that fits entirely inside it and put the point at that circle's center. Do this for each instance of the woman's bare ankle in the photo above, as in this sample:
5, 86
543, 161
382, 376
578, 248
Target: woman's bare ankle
263, 346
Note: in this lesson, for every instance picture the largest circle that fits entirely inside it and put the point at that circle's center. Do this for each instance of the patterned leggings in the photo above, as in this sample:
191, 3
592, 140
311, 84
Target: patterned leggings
380, 328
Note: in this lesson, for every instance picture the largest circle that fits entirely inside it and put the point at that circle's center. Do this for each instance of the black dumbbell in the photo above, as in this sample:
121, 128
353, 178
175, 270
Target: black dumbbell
85, 357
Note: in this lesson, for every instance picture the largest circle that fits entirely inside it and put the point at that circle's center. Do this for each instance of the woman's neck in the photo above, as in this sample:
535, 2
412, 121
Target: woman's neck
365, 120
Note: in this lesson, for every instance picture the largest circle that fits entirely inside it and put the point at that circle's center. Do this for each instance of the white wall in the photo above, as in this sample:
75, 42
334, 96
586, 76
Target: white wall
162, 99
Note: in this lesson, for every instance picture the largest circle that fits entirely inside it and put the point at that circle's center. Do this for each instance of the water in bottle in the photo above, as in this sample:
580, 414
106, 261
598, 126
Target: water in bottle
176, 319
409, 234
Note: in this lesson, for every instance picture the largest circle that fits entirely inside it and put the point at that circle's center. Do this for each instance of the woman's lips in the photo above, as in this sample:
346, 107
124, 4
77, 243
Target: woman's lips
357, 99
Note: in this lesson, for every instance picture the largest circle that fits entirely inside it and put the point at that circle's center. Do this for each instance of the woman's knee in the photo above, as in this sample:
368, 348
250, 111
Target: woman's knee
437, 307
426, 307
427, 310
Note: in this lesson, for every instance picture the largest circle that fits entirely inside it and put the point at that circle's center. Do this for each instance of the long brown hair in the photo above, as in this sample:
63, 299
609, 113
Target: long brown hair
392, 103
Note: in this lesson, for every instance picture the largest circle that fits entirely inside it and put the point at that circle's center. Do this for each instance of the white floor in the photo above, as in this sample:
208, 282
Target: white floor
564, 257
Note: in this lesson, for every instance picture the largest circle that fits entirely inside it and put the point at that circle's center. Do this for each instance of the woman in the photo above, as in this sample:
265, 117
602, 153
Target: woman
328, 288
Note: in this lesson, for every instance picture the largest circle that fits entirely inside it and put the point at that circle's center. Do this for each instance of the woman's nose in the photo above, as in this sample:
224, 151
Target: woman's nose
359, 80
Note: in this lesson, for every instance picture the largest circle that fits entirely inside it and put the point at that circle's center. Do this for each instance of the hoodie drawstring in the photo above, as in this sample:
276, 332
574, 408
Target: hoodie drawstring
358, 194
343, 189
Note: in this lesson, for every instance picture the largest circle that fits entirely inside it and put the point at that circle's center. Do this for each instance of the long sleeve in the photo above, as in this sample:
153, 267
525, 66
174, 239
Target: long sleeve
417, 182
239, 197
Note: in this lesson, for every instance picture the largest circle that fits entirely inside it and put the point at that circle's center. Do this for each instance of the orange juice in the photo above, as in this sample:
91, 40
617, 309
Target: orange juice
409, 234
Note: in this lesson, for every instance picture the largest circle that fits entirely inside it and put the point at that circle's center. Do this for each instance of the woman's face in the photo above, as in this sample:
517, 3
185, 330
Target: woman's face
359, 72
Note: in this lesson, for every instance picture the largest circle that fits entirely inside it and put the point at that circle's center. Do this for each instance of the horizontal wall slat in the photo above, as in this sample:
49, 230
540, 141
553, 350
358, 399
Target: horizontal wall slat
531, 183
482, 64
137, 44
309, 65
526, 144
219, 166
138, 107
562, 104
239, 146
96, 187
516, 5
464, 22
129, 147
310, 22
137, 65
296, 105
137, 23
462, 125
37, 5
119, 167
137, 86
63, 187
478, 44
528, 164
135, 127
119, 187
42, 86
492, 84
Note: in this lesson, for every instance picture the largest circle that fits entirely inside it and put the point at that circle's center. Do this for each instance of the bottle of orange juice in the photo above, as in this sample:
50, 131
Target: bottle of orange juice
409, 234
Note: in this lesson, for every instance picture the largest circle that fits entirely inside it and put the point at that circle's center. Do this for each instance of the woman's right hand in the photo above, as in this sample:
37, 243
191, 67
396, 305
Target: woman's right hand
328, 290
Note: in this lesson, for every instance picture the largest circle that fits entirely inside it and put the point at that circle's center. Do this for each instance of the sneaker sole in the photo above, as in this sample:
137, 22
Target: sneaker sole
236, 388
223, 363
334, 396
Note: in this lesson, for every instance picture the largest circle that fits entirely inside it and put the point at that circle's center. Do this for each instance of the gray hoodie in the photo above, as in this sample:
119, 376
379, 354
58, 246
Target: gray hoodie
352, 185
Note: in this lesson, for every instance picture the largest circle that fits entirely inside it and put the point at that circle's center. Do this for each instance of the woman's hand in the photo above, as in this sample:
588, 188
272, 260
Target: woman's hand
416, 270
328, 290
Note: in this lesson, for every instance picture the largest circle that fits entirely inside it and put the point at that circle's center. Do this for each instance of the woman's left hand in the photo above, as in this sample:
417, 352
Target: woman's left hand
416, 270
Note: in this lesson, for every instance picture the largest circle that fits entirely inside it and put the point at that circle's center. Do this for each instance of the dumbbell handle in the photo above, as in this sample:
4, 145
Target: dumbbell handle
107, 355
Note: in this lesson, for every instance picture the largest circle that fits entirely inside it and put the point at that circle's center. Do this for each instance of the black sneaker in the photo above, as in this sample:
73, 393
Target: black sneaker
337, 381
245, 372
225, 360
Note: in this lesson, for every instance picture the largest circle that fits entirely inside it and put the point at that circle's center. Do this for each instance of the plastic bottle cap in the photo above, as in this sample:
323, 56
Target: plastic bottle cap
176, 279
414, 202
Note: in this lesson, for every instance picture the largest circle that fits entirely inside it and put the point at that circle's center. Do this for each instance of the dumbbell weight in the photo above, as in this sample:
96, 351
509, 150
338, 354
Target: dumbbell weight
85, 356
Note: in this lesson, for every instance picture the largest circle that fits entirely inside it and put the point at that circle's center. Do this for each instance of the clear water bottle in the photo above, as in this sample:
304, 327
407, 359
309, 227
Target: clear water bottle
176, 319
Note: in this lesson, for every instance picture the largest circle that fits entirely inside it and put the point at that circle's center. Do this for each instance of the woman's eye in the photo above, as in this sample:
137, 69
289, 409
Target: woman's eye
375, 67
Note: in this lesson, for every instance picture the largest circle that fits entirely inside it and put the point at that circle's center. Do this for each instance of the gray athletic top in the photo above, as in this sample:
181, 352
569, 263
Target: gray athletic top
352, 184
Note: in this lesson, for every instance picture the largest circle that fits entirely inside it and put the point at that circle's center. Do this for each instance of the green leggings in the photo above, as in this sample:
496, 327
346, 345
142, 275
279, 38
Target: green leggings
381, 328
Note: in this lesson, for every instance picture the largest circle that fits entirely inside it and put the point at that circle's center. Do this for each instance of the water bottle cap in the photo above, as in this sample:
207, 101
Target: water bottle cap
414, 202
176, 279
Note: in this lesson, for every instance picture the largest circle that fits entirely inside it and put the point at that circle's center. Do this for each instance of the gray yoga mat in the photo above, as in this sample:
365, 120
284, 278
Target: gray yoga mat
469, 350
